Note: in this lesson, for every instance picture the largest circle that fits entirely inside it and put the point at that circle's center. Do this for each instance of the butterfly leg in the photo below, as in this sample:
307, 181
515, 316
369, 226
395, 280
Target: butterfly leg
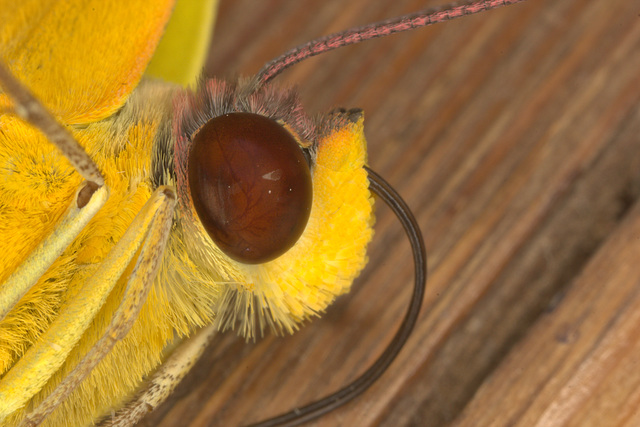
90, 197
164, 380
44, 358
40, 259
138, 285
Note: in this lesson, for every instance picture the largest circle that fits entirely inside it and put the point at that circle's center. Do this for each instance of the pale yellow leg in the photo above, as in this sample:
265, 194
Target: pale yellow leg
138, 286
38, 261
44, 358
164, 381
91, 195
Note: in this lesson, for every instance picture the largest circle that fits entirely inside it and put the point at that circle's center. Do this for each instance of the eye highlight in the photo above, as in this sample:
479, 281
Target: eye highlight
250, 185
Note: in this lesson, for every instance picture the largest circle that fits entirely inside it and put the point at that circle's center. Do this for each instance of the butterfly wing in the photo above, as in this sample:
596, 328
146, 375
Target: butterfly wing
181, 54
80, 58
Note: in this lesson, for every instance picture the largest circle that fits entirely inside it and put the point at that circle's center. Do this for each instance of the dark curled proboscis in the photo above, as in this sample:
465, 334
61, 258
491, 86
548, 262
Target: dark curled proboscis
322, 406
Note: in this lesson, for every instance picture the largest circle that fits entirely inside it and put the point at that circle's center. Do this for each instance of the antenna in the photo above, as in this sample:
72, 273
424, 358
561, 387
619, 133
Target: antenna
378, 29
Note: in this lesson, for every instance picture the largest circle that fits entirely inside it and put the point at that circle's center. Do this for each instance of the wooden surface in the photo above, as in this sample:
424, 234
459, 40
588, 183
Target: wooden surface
514, 136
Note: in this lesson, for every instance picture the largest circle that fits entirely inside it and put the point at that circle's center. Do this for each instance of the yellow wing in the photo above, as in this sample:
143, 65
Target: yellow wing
81, 58
181, 54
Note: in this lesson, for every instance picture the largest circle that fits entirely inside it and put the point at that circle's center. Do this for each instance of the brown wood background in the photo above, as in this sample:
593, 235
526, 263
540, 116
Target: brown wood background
514, 135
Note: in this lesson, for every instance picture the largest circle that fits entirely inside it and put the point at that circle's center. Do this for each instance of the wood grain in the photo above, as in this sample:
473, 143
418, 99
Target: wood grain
514, 136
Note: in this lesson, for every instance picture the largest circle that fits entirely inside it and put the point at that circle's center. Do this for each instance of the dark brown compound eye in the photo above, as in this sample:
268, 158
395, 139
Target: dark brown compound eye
250, 185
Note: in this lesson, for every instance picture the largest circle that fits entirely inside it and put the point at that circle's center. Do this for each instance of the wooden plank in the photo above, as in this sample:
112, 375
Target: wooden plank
512, 134
578, 366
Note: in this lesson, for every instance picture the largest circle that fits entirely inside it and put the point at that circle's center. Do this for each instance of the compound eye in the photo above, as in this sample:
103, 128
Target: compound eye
251, 186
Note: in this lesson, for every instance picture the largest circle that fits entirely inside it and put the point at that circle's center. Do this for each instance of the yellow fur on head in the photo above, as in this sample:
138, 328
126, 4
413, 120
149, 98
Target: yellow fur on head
323, 263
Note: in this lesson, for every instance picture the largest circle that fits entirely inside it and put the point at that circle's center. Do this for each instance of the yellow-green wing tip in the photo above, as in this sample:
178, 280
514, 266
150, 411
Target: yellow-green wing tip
182, 51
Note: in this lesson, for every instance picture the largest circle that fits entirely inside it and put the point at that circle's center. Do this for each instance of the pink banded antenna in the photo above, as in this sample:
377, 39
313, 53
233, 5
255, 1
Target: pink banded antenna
371, 31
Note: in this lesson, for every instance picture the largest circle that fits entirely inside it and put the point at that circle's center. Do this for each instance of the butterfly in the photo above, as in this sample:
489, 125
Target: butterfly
138, 216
